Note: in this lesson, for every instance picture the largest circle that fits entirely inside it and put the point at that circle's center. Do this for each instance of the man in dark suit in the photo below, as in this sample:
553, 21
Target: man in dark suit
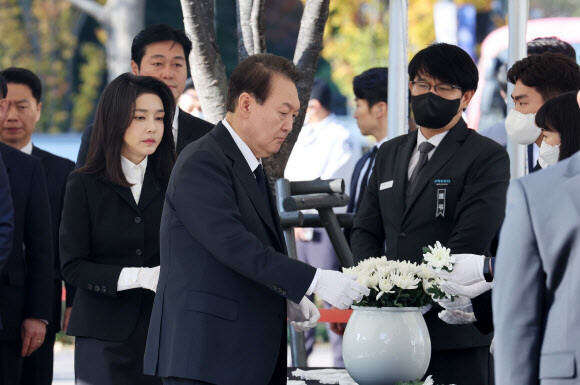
6, 208
25, 92
162, 52
226, 285
443, 182
371, 95
27, 278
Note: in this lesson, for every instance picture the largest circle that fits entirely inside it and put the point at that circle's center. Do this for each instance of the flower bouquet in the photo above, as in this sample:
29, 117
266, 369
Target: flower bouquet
386, 340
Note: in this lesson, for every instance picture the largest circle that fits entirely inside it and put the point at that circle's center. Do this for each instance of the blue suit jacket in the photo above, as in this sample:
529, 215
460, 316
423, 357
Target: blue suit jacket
220, 309
26, 282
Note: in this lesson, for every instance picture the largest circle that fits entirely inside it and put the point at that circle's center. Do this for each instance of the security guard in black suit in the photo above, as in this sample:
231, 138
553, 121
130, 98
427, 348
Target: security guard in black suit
24, 96
443, 182
25, 282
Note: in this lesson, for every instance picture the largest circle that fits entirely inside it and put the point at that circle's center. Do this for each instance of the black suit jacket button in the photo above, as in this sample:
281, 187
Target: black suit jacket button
279, 290
137, 219
97, 288
103, 289
402, 235
275, 287
138, 252
284, 292
90, 286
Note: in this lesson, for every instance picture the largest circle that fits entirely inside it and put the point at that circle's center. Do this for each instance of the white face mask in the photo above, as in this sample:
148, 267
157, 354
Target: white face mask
522, 128
549, 154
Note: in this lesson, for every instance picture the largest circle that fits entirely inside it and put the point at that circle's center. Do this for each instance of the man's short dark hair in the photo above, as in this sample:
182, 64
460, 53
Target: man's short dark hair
321, 92
550, 74
3, 87
372, 85
448, 63
552, 44
157, 33
25, 77
254, 75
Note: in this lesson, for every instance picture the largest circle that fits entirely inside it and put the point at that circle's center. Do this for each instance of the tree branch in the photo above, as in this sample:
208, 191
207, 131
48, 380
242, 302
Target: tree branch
207, 68
306, 56
257, 25
245, 32
92, 8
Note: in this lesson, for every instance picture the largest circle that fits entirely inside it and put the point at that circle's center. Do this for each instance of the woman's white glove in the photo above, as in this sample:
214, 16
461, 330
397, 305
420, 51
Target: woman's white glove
338, 289
302, 316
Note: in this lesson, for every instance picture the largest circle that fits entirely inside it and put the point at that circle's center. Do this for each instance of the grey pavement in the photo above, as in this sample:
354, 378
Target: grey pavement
64, 361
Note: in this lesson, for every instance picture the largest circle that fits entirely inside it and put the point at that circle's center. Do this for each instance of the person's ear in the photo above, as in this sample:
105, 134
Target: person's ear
38, 111
134, 67
380, 110
466, 98
245, 101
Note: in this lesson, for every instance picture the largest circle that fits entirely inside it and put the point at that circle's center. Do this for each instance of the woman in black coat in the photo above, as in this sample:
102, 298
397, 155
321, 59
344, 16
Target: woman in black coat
109, 235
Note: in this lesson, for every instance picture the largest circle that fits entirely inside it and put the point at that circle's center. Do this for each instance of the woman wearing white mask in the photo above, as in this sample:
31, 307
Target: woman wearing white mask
559, 119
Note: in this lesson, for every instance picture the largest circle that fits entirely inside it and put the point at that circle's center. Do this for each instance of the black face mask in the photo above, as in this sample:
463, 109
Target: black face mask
433, 111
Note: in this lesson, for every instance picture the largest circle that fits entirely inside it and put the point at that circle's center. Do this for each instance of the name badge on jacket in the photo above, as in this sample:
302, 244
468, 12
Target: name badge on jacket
441, 196
386, 185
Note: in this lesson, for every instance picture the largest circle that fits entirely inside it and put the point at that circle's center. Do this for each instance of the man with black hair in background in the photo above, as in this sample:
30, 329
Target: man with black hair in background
537, 46
24, 96
162, 52
536, 79
443, 182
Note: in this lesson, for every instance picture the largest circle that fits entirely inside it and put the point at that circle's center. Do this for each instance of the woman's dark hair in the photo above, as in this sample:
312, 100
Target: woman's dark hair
254, 75
114, 115
448, 63
550, 74
562, 115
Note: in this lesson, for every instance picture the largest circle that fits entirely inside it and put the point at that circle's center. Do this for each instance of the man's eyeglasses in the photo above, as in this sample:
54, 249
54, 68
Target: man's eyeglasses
442, 90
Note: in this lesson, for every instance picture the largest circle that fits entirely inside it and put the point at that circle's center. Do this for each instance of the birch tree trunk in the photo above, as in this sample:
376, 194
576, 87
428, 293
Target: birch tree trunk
122, 20
207, 68
306, 56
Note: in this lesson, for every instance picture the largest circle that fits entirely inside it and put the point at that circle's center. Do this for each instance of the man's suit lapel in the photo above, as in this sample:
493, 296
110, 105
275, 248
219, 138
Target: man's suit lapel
246, 176
401, 175
355, 181
183, 131
443, 153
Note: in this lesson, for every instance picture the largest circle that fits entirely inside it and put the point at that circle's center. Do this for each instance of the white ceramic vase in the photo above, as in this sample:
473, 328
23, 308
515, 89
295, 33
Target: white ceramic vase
383, 346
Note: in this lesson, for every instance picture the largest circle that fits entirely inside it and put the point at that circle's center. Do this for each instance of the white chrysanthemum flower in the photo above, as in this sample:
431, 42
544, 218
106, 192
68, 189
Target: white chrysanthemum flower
429, 381
439, 257
425, 273
404, 281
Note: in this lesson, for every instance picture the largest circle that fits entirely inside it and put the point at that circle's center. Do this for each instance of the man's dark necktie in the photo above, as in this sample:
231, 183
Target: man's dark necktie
263, 186
365, 178
424, 149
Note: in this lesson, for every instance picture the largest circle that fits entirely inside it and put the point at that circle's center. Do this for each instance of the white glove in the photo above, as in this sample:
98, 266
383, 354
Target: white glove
470, 291
338, 289
467, 269
459, 303
148, 278
302, 316
456, 317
